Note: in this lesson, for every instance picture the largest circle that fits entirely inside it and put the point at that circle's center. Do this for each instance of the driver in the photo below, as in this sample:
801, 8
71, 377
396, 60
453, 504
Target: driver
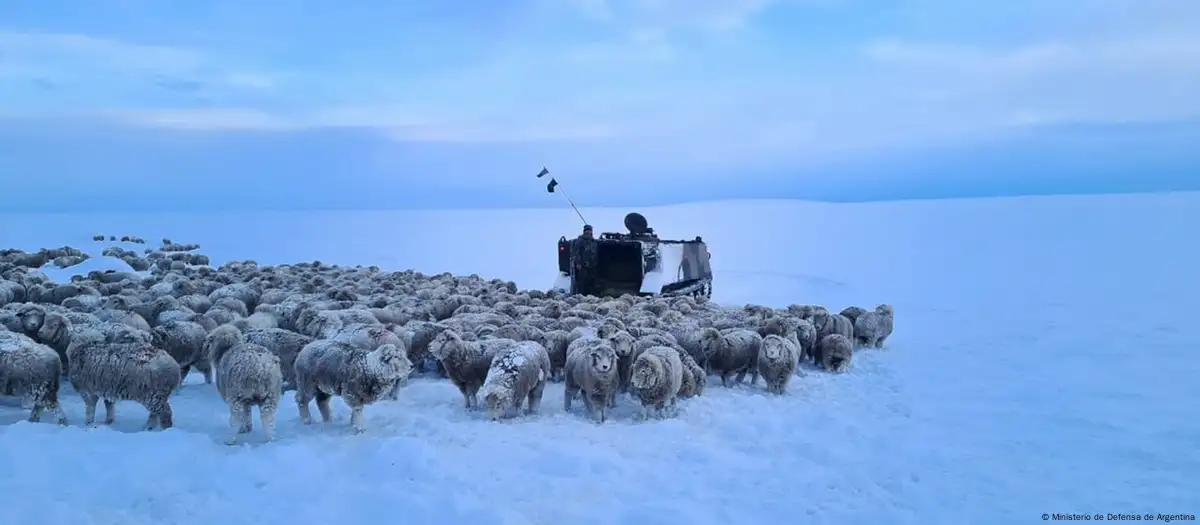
584, 258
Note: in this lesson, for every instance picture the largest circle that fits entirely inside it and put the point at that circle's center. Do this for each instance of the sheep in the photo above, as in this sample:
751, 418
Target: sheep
827, 323
284, 344
361, 377
466, 362
517, 374
257, 320
556, 342
778, 359
247, 375
122, 371
184, 341
519, 332
852, 313
592, 369
871, 329
58, 331
694, 378
733, 352
30, 369
655, 379
417, 335
691, 338
834, 352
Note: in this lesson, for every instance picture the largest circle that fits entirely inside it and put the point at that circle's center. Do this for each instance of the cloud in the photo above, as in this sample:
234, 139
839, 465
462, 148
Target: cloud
96, 71
681, 82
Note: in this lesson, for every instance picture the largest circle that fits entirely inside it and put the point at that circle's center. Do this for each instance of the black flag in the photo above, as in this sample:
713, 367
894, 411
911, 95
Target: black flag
550, 187
543, 173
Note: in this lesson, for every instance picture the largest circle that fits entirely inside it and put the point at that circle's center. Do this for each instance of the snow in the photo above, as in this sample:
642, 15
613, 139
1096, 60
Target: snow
96, 262
1041, 363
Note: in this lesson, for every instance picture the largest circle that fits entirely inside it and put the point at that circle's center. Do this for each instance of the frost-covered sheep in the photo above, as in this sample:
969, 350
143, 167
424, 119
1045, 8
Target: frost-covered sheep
827, 323
692, 339
257, 320
285, 344
32, 370
125, 371
852, 313
871, 329
184, 341
778, 359
655, 379
248, 375
417, 335
733, 352
694, 378
361, 377
517, 375
466, 362
556, 342
592, 369
834, 352
519, 332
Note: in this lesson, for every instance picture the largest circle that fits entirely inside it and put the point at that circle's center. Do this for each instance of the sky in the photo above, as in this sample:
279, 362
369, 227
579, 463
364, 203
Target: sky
382, 104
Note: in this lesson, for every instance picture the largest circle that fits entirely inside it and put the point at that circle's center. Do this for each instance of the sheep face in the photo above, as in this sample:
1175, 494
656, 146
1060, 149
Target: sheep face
440, 347
885, 309
603, 359
31, 318
646, 373
497, 402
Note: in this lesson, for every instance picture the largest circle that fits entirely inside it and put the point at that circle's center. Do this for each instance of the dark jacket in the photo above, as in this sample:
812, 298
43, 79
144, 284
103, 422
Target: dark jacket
584, 253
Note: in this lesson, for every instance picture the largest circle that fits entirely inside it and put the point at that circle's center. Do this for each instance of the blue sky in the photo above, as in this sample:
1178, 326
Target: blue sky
148, 103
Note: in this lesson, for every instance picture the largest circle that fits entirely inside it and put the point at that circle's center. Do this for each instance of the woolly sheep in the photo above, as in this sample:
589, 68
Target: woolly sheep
126, 371
852, 313
417, 335
871, 329
123, 317
556, 342
592, 369
248, 375
692, 338
519, 332
827, 323
694, 378
655, 379
332, 368
257, 320
30, 369
834, 352
184, 341
778, 359
733, 352
517, 374
465, 362
285, 344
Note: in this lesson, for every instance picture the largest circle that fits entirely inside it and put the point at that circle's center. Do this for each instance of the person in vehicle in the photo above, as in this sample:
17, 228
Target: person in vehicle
584, 259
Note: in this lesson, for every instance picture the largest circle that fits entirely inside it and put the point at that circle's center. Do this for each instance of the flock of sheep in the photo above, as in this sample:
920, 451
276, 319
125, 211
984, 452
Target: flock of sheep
360, 333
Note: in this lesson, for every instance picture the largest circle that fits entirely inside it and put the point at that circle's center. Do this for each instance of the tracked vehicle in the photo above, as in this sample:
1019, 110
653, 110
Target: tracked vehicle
640, 263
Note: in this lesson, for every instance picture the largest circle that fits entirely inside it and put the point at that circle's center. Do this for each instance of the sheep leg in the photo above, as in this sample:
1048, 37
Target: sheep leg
183, 373
567, 395
89, 408
356, 417
110, 411
303, 396
754, 376
244, 423
879, 342
323, 406
35, 414
535, 398
740, 377
725, 379
208, 376
266, 415
160, 415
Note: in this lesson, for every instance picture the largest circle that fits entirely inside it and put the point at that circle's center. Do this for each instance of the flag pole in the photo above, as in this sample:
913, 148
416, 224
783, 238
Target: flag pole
550, 187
